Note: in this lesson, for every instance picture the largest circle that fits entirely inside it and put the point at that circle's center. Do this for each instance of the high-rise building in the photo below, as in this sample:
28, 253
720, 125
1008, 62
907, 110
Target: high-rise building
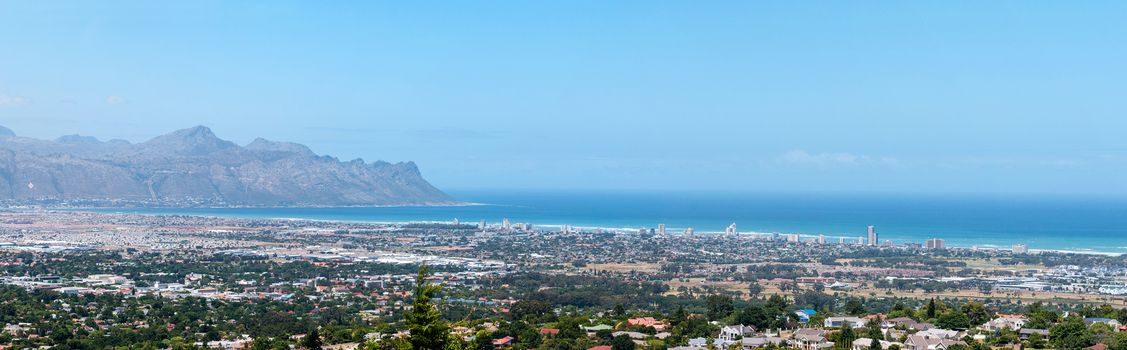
934, 243
841, 240
793, 238
661, 229
456, 222
505, 224
1020, 249
821, 239
873, 236
688, 231
481, 225
731, 230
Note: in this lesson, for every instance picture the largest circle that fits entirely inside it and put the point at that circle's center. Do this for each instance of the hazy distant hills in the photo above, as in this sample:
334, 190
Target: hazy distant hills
194, 167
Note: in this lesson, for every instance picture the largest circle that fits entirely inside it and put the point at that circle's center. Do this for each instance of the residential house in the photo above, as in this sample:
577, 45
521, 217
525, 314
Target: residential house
1025, 333
905, 323
632, 335
698, 342
506, 341
648, 322
865, 343
941, 333
730, 334
919, 342
759, 342
1010, 322
843, 321
811, 339
804, 315
1110, 322
597, 328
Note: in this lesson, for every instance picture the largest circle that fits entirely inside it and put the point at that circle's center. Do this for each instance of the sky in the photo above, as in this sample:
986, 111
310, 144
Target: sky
1013, 97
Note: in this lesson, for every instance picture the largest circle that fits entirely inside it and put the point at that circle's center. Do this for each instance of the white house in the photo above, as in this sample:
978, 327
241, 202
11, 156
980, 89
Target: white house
1005, 322
843, 321
730, 334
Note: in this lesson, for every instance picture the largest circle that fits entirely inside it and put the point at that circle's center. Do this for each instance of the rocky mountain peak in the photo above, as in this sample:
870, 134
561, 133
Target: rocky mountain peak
195, 167
264, 145
198, 140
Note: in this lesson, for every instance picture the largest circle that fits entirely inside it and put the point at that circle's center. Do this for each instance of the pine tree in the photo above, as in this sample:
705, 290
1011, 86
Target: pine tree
312, 340
428, 330
845, 337
931, 308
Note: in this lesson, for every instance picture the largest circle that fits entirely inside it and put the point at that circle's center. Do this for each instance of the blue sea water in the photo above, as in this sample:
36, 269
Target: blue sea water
1084, 224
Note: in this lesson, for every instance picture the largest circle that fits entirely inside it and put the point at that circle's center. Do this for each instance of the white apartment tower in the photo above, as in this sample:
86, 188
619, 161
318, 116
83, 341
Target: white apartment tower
1020, 249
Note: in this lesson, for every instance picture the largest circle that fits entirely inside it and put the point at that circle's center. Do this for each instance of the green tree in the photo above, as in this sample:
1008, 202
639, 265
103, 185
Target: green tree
719, 306
753, 315
1037, 341
428, 330
312, 340
268, 343
874, 331
529, 308
569, 329
754, 289
1040, 317
1117, 341
1071, 334
931, 309
482, 340
622, 342
854, 307
953, 320
845, 338
976, 313
678, 316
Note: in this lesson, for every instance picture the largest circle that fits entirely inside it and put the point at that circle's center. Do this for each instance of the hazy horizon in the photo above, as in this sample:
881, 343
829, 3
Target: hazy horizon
954, 97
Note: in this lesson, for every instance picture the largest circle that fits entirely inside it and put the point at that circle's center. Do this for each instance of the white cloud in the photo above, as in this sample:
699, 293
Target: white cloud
115, 100
13, 101
802, 157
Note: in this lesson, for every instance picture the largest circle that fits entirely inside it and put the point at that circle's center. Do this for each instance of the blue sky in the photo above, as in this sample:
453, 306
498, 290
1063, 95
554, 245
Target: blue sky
999, 96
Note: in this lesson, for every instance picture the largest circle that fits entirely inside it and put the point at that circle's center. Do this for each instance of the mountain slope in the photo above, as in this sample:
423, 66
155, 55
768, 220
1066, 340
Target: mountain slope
194, 167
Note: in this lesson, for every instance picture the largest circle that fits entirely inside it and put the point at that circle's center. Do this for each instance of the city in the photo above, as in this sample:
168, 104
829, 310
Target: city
355, 280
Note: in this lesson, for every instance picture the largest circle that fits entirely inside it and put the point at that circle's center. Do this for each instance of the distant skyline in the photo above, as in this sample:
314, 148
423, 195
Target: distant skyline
888, 97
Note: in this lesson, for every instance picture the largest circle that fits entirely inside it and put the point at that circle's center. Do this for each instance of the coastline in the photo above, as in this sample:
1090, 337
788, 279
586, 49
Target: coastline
541, 225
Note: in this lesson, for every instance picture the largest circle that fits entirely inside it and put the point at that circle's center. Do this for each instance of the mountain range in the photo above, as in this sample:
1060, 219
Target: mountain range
194, 167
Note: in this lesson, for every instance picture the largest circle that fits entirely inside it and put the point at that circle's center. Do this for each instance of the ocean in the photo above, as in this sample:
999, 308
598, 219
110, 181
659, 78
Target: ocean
1079, 224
